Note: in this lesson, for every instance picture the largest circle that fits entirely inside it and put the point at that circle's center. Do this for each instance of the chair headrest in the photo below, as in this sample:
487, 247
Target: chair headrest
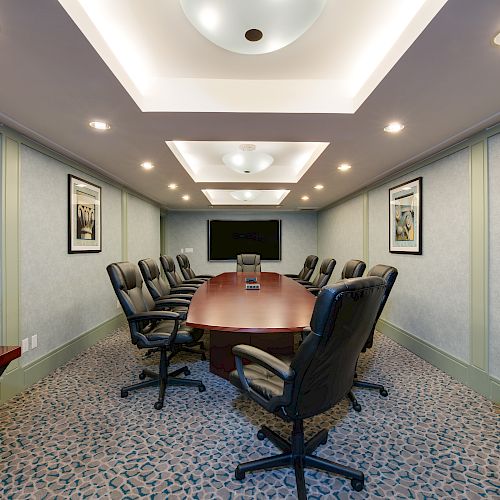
249, 258
324, 310
124, 275
387, 273
149, 269
311, 261
353, 269
183, 261
168, 263
327, 266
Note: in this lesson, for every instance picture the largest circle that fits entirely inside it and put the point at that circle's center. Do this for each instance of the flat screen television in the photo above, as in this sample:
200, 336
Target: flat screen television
228, 238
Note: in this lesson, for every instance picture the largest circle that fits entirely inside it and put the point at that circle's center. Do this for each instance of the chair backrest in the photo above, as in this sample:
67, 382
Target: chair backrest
325, 273
248, 262
155, 283
325, 362
389, 275
353, 269
185, 266
168, 265
309, 265
127, 284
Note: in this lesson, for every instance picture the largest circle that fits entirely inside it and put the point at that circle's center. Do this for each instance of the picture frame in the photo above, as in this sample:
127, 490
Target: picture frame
405, 217
84, 216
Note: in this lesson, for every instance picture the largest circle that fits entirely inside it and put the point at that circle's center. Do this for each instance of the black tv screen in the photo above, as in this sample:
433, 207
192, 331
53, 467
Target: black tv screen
228, 238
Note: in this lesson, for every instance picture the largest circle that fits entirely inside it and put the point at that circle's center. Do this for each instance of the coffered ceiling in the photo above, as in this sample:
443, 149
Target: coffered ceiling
434, 70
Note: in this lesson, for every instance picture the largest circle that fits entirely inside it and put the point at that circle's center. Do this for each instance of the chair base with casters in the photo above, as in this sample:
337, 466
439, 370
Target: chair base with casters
199, 352
297, 453
163, 379
365, 385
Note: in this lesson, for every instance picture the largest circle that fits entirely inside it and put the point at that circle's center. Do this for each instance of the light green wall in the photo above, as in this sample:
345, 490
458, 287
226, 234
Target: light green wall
443, 304
189, 229
65, 299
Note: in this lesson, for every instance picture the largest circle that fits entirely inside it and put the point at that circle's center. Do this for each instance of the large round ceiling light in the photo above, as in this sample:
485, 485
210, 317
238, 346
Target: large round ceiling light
247, 160
252, 26
245, 195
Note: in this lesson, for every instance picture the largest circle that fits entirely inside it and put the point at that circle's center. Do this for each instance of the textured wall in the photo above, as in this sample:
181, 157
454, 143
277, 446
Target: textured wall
340, 233
494, 263
189, 229
431, 297
143, 230
62, 295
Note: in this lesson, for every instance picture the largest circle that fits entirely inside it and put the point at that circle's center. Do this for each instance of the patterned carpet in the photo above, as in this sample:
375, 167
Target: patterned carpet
72, 436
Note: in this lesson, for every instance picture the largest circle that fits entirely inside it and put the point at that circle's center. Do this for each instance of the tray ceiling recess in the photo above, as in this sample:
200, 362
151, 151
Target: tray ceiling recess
169, 55
246, 161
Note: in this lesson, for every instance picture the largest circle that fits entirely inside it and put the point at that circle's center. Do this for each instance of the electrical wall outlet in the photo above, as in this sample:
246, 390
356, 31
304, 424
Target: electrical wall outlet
25, 345
34, 341
188, 250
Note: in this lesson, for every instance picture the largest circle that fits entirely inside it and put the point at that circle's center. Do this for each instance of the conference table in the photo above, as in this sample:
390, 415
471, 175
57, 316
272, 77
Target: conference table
265, 318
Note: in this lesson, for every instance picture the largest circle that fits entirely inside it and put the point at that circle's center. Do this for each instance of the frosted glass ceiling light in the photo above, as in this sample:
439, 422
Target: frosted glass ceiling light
245, 195
247, 160
252, 27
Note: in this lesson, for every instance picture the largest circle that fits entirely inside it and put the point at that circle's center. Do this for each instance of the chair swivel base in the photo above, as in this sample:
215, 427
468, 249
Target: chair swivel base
298, 454
200, 352
366, 385
155, 380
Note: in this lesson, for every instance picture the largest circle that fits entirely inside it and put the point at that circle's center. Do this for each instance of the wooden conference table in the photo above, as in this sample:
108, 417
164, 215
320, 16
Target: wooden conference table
265, 318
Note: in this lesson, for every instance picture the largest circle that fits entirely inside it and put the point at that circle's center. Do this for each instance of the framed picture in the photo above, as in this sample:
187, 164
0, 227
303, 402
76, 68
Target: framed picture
405, 217
84, 216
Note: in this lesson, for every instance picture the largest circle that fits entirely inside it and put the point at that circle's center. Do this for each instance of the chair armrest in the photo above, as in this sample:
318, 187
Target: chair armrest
304, 282
183, 289
204, 276
176, 296
194, 281
154, 316
264, 359
291, 275
314, 290
172, 302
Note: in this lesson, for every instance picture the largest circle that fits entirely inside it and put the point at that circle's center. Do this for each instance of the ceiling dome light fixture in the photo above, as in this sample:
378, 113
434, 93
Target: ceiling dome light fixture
245, 195
394, 127
252, 27
247, 160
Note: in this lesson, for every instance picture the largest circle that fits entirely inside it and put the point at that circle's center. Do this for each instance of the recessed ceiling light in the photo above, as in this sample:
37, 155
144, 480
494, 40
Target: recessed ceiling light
98, 125
305, 197
496, 39
186, 197
172, 186
319, 186
147, 165
394, 127
344, 167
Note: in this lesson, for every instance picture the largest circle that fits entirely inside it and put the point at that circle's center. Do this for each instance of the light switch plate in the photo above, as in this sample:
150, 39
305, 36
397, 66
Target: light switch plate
34, 341
25, 345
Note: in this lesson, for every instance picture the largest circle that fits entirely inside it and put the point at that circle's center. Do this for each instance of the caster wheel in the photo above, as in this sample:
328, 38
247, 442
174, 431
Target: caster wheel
202, 388
123, 393
187, 372
325, 440
158, 405
238, 474
357, 485
384, 393
142, 376
261, 436
357, 407
203, 357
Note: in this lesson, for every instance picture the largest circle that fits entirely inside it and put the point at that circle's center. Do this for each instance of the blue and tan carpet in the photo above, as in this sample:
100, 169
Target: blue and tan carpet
72, 436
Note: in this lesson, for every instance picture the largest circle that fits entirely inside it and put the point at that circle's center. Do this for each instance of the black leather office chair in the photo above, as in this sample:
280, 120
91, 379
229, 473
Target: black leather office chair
307, 271
248, 263
173, 277
159, 291
318, 377
389, 275
187, 272
150, 329
322, 278
353, 269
